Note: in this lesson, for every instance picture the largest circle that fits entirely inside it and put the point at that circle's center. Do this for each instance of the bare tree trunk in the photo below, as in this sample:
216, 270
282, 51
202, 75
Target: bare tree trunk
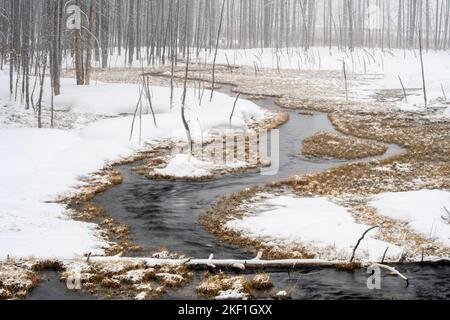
41, 91
217, 48
92, 24
183, 104
423, 70
131, 34
79, 54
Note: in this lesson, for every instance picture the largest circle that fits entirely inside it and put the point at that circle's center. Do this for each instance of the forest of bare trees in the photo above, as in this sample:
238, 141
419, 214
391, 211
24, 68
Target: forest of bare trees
35, 36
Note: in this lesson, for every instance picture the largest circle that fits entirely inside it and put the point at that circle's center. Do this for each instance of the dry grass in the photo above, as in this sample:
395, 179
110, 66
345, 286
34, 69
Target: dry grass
170, 280
16, 281
350, 266
117, 234
45, 265
327, 145
213, 285
96, 183
262, 281
127, 279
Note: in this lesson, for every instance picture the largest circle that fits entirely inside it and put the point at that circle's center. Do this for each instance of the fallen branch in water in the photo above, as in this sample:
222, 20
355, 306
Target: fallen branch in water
393, 270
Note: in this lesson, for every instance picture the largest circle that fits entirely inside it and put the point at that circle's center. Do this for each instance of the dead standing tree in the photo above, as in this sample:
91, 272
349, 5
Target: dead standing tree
90, 47
79, 51
183, 101
217, 48
423, 69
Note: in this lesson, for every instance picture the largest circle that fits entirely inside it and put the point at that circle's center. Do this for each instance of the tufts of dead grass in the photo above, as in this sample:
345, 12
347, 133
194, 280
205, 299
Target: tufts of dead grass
262, 281
16, 281
115, 279
213, 285
327, 145
45, 265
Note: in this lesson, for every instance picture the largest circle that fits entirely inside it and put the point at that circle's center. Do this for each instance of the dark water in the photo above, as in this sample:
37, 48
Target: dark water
51, 288
165, 214
426, 282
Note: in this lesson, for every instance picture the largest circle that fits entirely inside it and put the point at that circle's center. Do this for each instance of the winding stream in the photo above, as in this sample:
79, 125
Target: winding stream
165, 214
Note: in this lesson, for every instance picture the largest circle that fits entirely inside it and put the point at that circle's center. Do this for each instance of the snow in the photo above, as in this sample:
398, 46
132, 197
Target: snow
183, 165
381, 69
119, 98
37, 166
40, 165
282, 294
447, 113
231, 294
135, 276
187, 166
422, 210
141, 296
324, 228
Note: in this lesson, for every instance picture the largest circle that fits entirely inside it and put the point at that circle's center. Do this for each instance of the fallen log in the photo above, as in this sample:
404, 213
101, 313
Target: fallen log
212, 263
255, 263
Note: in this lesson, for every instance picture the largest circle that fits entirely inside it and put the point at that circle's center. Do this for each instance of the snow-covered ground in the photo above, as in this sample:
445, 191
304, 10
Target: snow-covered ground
425, 211
39, 165
184, 165
322, 227
379, 69
329, 230
187, 166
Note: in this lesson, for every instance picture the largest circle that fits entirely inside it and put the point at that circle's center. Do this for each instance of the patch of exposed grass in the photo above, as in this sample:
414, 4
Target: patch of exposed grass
262, 281
213, 285
16, 281
335, 146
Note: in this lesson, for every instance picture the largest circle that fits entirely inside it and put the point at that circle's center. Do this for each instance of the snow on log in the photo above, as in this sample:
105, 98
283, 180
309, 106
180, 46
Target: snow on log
256, 263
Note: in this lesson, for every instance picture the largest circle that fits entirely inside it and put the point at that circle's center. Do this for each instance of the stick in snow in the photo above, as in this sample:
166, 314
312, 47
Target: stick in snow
234, 107
345, 79
136, 111
384, 254
404, 90
423, 69
447, 217
443, 92
149, 98
359, 241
